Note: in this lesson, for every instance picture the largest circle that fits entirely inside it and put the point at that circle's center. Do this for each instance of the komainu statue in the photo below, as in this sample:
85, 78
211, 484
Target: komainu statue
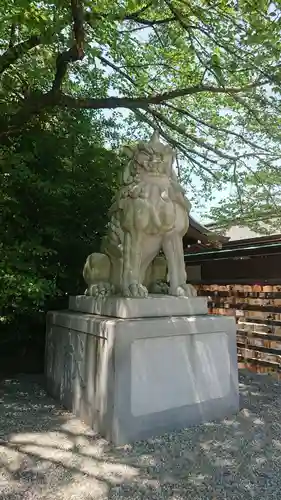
148, 219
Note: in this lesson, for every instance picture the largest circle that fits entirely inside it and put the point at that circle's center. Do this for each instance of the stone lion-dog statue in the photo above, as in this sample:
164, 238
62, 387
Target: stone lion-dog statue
149, 216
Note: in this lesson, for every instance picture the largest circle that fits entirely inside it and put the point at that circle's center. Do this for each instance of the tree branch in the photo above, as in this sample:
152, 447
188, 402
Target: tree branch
62, 61
12, 54
119, 70
215, 127
78, 26
12, 35
39, 101
238, 188
151, 22
143, 101
91, 16
133, 16
76, 52
193, 138
141, 10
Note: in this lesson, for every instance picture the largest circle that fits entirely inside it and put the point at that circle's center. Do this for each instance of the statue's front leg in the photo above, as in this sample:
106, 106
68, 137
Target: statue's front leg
173, 249
96, 274
132, 286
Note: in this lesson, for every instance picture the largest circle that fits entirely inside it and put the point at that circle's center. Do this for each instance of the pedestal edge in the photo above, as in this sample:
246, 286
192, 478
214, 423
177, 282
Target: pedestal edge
130, 308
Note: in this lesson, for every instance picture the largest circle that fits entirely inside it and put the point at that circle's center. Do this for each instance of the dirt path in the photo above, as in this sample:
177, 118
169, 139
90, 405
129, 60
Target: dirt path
45, 453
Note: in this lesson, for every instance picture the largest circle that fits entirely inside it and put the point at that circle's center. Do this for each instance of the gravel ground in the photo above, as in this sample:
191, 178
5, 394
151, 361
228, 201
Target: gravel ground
46, 453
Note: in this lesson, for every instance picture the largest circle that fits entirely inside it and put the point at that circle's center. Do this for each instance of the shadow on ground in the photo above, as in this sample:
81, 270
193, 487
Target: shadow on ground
46, 453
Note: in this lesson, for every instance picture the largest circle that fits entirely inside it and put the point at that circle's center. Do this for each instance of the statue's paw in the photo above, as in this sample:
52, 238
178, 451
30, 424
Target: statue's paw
184, 290
164, 287
190, 290
105, 289
135, 290
100, 290
160, 287
177, 292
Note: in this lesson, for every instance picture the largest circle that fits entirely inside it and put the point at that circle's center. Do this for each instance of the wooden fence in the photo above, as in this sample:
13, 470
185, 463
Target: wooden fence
257, 309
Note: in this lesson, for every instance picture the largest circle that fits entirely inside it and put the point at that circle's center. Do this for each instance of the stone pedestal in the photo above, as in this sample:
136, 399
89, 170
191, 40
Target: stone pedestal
154, 306
135, 378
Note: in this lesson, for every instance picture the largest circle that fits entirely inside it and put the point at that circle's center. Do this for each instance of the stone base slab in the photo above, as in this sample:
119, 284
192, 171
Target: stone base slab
135, 379
127, 308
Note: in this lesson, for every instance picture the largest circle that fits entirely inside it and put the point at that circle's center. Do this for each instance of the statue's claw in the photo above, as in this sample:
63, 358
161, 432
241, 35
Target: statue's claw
135, 290
100, 290
184, 290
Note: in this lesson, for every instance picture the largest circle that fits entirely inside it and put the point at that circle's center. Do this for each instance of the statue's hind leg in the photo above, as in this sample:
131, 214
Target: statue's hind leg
157, 278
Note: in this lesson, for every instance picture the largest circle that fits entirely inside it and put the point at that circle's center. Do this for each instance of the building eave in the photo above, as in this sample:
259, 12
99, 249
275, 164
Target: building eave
197, 232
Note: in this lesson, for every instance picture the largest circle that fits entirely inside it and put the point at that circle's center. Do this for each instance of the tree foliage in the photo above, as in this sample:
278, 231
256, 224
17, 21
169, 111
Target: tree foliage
257, 205
206, 73
57, 185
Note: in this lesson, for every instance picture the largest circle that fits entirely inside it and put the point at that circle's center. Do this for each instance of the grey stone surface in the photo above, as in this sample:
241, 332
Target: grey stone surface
153, 306
134, 379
